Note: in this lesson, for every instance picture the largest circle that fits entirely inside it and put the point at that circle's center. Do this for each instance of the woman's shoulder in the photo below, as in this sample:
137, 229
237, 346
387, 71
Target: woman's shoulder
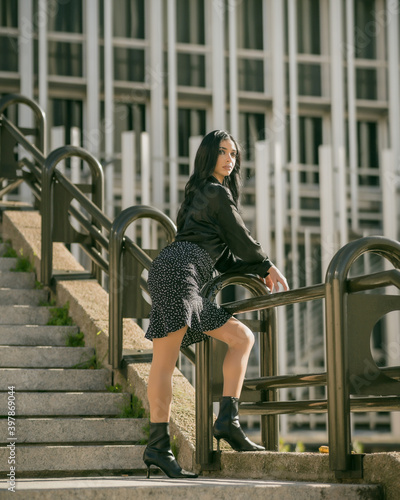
215, 188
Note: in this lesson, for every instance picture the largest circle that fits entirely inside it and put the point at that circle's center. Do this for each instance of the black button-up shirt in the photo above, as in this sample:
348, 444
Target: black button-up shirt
213, 222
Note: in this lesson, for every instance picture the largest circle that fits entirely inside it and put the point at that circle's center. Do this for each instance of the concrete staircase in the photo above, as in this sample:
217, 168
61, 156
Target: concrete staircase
66, 421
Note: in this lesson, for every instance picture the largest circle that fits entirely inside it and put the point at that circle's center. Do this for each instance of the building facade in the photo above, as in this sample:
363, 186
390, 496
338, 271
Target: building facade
309, 87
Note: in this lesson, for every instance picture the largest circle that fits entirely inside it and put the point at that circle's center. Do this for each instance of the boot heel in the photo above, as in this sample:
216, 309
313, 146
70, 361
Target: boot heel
218, 450
148, 472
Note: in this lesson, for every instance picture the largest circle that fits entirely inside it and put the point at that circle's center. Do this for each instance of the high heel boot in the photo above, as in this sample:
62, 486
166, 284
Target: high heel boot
227, 426
158, 452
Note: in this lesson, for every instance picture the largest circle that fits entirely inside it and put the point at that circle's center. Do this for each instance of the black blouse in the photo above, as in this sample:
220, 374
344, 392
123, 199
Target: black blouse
213, 222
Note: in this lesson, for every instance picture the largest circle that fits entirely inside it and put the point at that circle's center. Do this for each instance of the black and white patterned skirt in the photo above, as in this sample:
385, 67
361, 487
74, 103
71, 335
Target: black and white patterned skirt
175, 280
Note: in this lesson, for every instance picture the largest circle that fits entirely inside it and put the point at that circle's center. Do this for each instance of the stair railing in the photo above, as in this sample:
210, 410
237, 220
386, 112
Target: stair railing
350, 317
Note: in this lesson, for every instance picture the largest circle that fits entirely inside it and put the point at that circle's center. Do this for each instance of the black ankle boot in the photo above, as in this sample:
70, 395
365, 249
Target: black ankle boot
227, 426
158, 452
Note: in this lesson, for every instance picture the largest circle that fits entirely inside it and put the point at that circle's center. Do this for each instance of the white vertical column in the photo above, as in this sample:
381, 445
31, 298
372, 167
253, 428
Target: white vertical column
128, 174
390, 230
218, 64
42, 58
263, 209
337, 109
392, 29
92, 136
194, 143
172, 110
25, 68
341, 196
145, 164
294, 173
157, 102
278, 125
328, 244
233, 71
352, 118
109, 108
57, 140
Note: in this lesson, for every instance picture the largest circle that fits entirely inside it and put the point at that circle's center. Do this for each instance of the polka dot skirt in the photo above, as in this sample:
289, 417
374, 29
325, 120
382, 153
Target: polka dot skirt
175, 280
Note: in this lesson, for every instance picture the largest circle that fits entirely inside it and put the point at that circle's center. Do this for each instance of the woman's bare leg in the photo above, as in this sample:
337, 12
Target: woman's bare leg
159, 389
240, 340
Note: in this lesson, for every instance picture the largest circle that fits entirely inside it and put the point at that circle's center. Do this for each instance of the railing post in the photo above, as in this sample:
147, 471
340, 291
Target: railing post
47, 205
117, 236
40, 116
205, 455
340, 458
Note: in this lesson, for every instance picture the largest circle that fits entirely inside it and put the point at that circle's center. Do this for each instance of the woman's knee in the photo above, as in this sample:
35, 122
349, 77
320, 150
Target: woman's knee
239, 336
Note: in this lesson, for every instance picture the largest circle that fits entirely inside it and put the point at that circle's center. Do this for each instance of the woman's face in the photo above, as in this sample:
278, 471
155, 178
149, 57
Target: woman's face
226, 160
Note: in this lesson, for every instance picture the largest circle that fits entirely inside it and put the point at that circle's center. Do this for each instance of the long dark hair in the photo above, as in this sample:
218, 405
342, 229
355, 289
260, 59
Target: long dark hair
204, 165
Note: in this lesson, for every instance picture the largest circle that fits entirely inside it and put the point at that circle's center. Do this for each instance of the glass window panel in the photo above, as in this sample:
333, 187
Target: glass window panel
310, 138
67, 113
129, 64
366, 86
129, 18
251, 75
190, 21
309, 79
191, 122
65, 16
365, 29
9, 13
65, 59
308, 27
191, 70
9, 53
368, 151
251, 129
250, 24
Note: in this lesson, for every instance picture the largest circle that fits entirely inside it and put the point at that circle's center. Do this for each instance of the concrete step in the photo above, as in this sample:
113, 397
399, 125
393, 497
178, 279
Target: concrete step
76, 430
6, 263
54, 379
46, 404
24, 315
44, 356
17, 280
12, 296
55, 460
35, 334
139, 488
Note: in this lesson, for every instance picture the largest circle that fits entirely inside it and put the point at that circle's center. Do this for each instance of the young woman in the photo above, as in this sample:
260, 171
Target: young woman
211, 236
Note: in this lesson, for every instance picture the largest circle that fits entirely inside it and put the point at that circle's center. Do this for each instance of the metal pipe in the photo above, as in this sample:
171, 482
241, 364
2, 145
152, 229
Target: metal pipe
336, 344
117, 239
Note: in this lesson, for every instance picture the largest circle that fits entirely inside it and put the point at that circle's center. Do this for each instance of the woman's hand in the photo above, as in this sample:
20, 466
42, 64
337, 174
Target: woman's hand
273, 279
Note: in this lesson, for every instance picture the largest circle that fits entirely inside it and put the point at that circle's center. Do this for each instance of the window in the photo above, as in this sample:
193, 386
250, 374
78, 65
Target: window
366, 86
251, 75
365, 29
9, 53
192, 70
191, 122
308, 27
190, 21
368, 152
9, 14
65, 59
65, 16
251, 130
249, 25
129, 64
129, 18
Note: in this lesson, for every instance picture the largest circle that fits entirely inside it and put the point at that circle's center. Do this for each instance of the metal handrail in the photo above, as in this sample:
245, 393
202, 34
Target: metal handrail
117, 242
339, 404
